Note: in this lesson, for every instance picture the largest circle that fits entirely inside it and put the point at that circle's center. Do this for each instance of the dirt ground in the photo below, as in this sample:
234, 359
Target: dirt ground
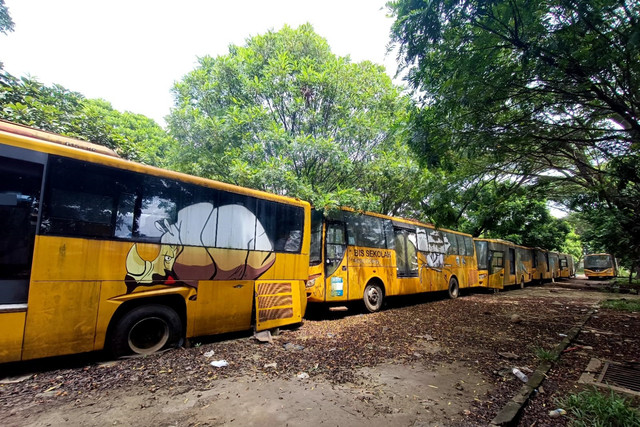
423, 361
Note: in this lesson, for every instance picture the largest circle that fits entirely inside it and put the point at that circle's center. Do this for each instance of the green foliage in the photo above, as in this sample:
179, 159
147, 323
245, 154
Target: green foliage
545, 355
621, 305
497, 209
284, 114
543, 94
593, 408
55, 109
6, 23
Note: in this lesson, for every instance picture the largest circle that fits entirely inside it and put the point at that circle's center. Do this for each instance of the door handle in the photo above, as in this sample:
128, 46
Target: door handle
344, 268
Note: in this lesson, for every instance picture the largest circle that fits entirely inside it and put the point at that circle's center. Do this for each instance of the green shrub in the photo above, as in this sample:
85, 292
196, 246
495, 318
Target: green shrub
594, 408
621, 304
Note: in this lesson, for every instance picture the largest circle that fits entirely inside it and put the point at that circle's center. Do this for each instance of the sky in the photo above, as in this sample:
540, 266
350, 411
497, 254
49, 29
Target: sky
130, 52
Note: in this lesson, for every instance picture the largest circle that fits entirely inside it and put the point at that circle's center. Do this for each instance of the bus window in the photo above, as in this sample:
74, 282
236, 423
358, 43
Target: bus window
423, 243
19, 200
315, 251
482, 252
365, 230
497, 261
406, 253
335, 246
462, 249
468, 242
453, 243
512, 261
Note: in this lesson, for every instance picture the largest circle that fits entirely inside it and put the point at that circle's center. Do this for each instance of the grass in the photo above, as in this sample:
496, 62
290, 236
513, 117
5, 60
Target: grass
621, 305
593, 408
624, 281
545, 355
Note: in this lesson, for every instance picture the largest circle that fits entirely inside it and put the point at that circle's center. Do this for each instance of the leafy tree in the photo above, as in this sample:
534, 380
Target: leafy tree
284, 114
56, 109
6, 23
540, 92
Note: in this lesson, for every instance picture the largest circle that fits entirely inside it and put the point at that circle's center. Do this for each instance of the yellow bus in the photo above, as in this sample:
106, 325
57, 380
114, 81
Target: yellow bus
600, 266
566, 265
502, 263
364, 256
542, 268
97, 252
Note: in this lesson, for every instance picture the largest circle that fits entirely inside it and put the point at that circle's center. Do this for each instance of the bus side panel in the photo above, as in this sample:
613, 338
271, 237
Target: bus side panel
458, 270
61, 318
287, 266
12, 326
473, 275
234, 314
365, 264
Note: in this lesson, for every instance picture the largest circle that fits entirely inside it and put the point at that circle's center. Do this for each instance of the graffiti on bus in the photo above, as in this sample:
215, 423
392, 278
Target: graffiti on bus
205, 243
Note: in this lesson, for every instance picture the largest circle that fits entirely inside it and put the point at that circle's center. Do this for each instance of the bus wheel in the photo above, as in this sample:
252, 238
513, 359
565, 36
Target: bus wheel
454, 289
145, 330
373, 297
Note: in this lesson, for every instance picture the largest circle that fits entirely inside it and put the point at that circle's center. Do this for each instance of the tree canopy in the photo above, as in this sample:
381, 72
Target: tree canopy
538, 93
56, 109
284, 114
6, 23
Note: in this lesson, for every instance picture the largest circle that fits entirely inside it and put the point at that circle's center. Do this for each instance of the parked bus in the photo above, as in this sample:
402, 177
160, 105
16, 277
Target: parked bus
554, 264
600, 266
542, 268
98, 252
567, 268
502, 263
363, 256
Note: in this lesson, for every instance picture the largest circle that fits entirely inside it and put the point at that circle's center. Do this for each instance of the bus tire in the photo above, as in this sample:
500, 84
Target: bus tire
454, 288
146, 329
373, 297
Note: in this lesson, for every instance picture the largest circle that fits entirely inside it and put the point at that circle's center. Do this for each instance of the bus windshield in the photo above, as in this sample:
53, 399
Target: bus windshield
597, 261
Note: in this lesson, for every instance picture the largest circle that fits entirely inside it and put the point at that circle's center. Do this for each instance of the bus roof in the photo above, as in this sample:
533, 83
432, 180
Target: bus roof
30, 132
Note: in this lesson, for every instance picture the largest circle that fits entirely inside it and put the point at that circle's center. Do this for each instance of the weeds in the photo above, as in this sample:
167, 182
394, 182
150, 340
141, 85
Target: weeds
545, 355
621, 305
593, 408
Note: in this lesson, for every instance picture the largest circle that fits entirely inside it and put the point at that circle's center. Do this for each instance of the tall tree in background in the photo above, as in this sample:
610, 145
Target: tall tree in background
56, 109
286, 115
6, 23
540, 92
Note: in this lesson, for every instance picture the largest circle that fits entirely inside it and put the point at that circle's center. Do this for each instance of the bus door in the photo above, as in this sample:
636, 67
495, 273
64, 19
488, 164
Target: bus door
406, 245
512, 267
496, 269
20, 188
335, 267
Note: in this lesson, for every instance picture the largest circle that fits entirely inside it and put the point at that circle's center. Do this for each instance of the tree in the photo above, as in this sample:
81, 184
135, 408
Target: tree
284, 114
56, 109
6, 23
541, 92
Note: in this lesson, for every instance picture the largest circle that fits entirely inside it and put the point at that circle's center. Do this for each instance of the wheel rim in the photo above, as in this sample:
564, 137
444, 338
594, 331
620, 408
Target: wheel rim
453, 288
373, 296
148, 335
